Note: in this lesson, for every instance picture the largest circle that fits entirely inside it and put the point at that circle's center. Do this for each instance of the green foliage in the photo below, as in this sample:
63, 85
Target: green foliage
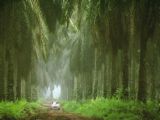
71, 106
18, 109
119, 93
114, 109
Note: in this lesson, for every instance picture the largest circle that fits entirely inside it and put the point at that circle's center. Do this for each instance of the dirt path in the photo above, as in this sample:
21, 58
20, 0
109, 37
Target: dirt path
48, 114
55, 115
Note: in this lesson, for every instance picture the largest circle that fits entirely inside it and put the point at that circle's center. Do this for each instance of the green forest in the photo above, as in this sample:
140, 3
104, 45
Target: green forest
98, 59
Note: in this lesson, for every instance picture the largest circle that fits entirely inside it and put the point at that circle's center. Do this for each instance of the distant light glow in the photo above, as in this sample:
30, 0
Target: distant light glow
55, 94
57, 91
47, 93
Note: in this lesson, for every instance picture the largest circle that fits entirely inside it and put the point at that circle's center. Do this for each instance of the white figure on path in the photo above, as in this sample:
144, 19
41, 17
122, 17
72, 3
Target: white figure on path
55, 105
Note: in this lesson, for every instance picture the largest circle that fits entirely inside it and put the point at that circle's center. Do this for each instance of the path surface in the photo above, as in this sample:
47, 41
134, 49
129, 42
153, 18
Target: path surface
53, 115
57, 115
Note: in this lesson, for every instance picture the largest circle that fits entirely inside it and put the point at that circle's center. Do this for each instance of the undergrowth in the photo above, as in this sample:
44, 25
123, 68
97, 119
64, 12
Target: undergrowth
114, 109
17, 110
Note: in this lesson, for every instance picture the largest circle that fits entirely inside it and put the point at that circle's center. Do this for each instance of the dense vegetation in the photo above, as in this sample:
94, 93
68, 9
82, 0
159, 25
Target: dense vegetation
114, 109
17, 110
91, 48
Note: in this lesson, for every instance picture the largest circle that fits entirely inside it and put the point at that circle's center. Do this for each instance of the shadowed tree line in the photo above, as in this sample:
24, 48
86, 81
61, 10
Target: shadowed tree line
113, 48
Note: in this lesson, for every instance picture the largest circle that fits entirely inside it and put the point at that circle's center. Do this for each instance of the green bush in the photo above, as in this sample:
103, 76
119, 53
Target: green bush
114, 109
17, 110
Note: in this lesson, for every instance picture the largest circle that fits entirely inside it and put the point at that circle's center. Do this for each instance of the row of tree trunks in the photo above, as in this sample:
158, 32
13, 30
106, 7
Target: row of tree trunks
16, 50
120, 38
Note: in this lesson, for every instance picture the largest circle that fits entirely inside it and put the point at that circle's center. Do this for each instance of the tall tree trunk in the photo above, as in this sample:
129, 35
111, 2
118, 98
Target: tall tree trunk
2, 53
89, 86
18, 89
2, 66
105, 92
142, 94
125, 69
79, 87
28, 87
125, 59
95, 80
114, 73
10, 83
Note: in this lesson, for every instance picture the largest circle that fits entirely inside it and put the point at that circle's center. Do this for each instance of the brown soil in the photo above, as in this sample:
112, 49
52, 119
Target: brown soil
56, 115
46, 113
